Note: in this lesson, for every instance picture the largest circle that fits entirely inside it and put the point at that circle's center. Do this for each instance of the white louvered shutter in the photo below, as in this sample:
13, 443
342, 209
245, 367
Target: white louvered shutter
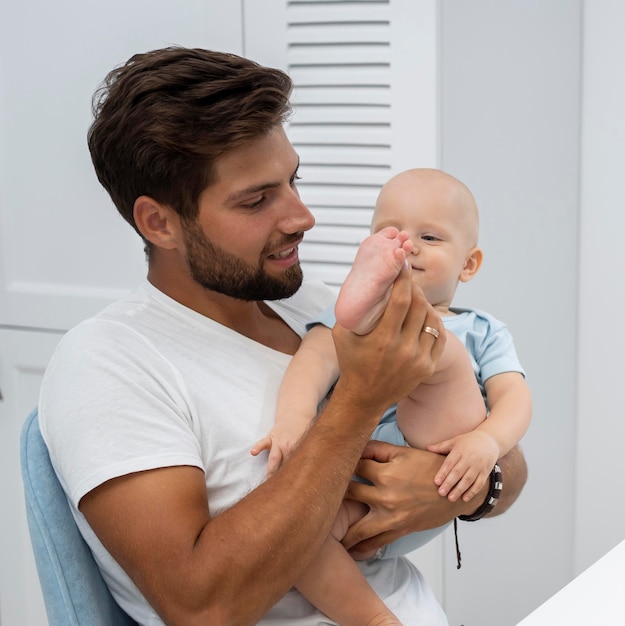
358, 117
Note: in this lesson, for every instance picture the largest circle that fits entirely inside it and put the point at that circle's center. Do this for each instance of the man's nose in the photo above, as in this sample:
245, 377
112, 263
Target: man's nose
299, 216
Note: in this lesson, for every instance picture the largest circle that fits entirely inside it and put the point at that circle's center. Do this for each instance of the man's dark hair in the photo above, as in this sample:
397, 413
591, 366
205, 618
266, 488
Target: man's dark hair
164, 118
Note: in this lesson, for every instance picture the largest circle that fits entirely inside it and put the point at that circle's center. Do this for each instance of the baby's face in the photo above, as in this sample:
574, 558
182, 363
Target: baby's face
441, 231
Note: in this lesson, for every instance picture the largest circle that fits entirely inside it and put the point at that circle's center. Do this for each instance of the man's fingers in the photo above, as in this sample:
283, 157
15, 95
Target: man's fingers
368, 533
429, 338
361, 492
374, 455
398, 307
358, 541
379, 451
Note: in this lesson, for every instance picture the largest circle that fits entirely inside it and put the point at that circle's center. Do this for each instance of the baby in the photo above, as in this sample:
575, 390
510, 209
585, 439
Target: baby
428, 220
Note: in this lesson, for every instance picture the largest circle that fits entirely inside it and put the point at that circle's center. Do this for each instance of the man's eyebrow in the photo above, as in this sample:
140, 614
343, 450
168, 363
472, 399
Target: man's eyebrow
249, 191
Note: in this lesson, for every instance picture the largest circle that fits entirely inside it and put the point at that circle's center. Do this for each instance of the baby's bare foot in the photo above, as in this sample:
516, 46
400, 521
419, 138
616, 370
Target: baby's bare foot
367, 288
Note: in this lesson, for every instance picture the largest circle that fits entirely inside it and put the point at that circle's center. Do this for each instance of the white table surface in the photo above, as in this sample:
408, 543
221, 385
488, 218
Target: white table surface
595, 598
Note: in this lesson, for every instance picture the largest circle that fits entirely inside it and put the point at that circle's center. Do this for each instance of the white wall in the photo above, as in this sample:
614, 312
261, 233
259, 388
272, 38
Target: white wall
533, 108
600, 466
510, 129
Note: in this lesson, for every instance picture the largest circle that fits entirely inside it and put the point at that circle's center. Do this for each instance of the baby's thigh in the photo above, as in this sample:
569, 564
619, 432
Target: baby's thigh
448, 404
349, 513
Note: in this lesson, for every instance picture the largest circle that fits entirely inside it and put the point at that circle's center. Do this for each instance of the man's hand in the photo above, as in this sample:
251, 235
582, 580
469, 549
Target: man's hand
403, 498
383, 366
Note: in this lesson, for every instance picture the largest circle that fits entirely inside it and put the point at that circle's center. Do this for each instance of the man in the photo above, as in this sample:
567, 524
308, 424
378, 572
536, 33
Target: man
150, 408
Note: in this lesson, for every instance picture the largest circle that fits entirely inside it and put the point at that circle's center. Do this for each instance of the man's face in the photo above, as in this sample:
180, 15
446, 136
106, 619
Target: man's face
244, 241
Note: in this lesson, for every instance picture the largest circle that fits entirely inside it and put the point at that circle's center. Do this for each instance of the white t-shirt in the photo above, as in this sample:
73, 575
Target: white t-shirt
149, 383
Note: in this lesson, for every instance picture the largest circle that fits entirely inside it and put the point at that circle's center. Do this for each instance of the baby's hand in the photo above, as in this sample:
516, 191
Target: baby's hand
280, 441
276, 455
470, 460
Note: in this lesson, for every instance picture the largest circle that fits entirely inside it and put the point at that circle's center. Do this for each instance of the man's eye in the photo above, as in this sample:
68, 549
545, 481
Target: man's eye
294, 179
255, 204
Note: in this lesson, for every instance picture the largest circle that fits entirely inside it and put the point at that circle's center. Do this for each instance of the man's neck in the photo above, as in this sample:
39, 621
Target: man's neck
253, 319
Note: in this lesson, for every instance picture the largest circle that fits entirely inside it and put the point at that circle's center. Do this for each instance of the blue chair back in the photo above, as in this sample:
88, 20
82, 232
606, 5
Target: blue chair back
74, 591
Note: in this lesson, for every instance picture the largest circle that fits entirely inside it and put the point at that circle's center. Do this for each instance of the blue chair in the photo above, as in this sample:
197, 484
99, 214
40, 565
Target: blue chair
73, 589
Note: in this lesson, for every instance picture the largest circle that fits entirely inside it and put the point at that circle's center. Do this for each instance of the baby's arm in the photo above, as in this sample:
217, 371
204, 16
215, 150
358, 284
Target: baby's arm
307, 380
471, 456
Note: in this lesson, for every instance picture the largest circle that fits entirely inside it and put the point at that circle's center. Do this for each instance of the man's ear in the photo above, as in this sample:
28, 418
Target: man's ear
472, 264
156, 222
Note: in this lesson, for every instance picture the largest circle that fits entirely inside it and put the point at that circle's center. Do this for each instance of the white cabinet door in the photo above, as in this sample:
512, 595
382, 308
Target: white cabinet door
64, 250
23, 358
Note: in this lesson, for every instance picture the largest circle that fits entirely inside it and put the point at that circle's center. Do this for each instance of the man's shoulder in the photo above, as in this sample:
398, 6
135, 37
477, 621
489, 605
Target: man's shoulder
115, 325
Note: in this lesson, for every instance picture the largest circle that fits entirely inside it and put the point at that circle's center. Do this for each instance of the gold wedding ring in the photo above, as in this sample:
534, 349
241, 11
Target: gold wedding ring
431, 331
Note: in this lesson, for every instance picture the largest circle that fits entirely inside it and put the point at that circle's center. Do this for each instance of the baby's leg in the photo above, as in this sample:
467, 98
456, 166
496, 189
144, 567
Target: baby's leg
367, 288
448, 404
333, 583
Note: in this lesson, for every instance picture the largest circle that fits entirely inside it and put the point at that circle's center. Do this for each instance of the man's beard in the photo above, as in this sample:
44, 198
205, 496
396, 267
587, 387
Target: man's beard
218, 270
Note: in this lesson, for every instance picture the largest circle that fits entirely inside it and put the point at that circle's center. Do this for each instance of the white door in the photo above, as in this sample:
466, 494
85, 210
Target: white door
23, 359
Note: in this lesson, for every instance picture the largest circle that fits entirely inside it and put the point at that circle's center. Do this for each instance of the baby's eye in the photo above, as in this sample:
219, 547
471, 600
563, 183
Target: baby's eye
430, 238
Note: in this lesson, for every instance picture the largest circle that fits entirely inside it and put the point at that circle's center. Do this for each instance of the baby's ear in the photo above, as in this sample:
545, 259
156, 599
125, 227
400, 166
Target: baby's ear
471, 265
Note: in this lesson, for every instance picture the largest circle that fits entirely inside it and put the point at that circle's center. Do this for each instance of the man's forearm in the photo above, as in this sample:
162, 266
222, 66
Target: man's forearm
263, 542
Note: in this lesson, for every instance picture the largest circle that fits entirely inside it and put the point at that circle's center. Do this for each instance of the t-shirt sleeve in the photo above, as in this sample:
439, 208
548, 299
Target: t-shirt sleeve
325, 318
496, 353
112, 405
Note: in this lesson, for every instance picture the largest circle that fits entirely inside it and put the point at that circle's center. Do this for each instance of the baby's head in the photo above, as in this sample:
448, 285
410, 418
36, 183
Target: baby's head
441, 217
